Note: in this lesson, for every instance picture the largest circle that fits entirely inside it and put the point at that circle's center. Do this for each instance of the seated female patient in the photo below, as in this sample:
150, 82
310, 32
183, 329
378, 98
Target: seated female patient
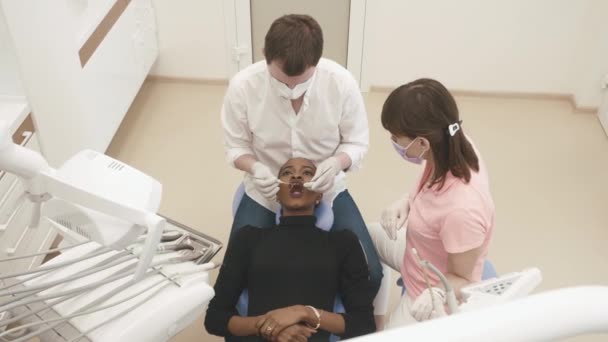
293, 273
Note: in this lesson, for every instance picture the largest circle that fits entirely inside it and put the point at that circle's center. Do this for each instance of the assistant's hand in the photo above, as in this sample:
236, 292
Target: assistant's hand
427, 307
394, 216
323, 179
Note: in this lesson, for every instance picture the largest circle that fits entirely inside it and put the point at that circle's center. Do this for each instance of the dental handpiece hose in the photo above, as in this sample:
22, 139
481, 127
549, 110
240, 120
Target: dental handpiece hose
450, 295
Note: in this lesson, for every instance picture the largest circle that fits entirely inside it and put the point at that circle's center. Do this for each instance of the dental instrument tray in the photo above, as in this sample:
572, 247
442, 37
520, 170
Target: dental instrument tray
110, 308
201, 242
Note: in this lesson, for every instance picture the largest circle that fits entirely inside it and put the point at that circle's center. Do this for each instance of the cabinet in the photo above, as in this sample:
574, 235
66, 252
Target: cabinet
81, 66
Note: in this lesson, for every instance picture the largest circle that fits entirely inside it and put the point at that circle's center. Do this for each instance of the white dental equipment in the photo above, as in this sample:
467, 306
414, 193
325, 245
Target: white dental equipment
93, 299
501, 289
92, 194
86, 296
108, 286
547, 316
487, 292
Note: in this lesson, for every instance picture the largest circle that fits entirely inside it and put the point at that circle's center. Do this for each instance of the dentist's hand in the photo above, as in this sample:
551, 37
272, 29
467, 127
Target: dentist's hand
265, 181
323, 179
422, 308
393, 218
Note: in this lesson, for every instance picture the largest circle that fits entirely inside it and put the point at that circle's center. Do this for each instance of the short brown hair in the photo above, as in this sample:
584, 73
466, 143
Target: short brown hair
296, 41
425, 108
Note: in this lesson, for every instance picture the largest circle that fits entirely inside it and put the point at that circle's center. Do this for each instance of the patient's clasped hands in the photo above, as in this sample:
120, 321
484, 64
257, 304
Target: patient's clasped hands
285, 324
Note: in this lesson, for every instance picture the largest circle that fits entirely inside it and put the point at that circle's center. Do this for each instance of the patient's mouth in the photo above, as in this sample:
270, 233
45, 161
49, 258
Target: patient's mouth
296, 188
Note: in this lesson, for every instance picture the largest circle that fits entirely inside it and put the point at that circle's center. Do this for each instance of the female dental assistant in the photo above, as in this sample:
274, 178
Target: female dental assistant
448, 215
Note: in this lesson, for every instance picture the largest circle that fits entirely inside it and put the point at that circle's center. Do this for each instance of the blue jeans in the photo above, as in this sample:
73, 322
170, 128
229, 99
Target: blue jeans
346, 216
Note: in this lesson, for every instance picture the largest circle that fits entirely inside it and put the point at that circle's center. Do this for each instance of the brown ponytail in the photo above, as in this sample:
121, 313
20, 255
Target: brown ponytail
425, 108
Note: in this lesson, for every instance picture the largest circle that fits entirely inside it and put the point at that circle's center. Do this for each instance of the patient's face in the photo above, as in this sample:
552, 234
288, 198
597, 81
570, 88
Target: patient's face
293, 197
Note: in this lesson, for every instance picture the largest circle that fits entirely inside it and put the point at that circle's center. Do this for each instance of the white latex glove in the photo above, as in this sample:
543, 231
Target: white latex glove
422, 308
266, 182
323, 179
393, 218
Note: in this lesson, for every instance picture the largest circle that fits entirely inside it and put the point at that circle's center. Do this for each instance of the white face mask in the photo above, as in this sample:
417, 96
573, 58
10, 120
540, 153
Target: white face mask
290, 94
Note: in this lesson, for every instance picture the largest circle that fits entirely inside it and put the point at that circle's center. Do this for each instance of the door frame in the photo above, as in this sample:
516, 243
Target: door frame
237, 17
237, 26
603, 107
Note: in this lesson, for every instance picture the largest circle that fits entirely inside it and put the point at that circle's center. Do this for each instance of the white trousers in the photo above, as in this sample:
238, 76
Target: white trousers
391, 254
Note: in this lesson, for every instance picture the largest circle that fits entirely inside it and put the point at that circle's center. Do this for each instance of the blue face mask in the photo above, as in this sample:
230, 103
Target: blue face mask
402, 152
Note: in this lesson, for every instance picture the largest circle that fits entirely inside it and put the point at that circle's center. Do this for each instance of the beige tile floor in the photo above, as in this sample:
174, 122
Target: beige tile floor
547, 165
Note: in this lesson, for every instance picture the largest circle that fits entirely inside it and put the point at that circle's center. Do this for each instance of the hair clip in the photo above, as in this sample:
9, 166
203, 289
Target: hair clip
454, 128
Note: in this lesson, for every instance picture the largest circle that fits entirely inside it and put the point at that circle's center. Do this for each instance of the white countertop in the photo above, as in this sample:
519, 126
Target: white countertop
13, 109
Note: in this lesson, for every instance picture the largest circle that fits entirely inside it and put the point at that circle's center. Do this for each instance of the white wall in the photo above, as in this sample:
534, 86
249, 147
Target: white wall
591, 55
483, 45
599, 64
10, 82
541, 46
192, 39
78, 107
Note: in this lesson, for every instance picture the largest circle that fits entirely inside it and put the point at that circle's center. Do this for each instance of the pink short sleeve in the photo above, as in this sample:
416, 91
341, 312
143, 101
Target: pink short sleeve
462, 230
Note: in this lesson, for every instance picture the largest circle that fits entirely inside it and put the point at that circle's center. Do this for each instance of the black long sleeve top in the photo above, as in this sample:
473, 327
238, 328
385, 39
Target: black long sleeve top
293, 263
